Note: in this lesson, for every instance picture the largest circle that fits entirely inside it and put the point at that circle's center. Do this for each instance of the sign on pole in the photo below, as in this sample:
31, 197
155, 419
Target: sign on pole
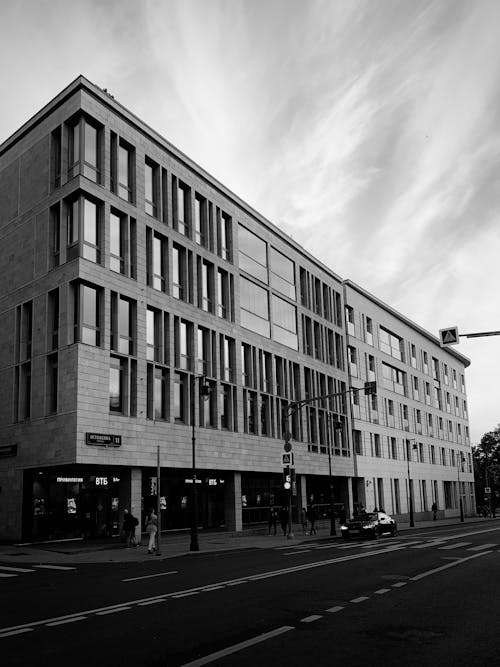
287, 459
487, 490
449, 336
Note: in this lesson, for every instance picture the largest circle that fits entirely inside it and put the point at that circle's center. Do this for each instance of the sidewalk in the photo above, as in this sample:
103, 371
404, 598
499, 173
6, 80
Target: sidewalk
177, 544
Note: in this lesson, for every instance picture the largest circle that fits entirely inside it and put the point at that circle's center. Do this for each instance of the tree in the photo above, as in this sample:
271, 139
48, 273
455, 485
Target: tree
486, 458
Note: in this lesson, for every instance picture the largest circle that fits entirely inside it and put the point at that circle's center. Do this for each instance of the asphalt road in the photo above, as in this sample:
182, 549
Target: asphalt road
425, 598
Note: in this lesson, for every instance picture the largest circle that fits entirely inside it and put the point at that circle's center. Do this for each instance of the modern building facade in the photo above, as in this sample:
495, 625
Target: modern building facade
145, 307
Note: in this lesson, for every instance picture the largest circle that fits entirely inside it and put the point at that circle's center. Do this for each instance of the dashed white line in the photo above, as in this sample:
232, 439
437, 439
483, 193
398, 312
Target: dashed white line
146, 604
457, 545
381, 591
480, 547
399, 584
216, 587
310, 619
294, 553
74, 619
53, 567
150, 576
185, 595
15, 632
112, 611
7, 575
362, 598
334, 610
16, 569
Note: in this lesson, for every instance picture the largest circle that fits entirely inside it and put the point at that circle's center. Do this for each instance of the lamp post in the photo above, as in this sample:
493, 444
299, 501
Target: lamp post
461, 460
334, 426
205, 393
410, 494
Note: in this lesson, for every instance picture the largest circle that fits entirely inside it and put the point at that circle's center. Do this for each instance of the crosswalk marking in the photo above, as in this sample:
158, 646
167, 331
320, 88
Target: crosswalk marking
480, 547
457, 545
425, 545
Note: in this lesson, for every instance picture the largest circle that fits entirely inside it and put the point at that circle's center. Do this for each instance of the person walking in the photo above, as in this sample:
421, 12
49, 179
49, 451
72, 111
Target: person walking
129, 524
303, 519
273, 518
151, 530
311, 516
434, 510
284, 520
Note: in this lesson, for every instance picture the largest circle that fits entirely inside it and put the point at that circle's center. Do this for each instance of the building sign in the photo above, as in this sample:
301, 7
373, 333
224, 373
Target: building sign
8, 450
103, 439
69, 480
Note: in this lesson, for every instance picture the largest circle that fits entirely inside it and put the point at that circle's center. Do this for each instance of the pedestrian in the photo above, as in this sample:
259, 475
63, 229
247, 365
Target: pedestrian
272, 520
284, 520
129, 524
434, 510
303, 519
311, 516
151, 530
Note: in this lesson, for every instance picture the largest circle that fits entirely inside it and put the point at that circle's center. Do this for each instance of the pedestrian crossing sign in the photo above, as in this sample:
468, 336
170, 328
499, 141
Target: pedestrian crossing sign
448, 336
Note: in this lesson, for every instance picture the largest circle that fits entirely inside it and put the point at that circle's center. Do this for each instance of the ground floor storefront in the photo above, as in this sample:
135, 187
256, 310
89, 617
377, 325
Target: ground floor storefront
89, 501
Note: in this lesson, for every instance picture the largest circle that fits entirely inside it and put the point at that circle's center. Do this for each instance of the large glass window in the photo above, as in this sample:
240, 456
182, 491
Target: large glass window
116, 385
394, 379
200, 221
122, 168
87, 314
254, 311
122, 324
83, 229
252, 254
284, 322
84, 150
282, 274
151, 187
224, 235
390, 343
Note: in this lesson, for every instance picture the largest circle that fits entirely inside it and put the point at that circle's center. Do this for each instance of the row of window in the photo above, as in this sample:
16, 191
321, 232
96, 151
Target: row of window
395, 346
423, 492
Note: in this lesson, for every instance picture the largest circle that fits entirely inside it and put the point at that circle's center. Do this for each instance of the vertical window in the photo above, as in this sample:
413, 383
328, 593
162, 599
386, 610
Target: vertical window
353, 360
282, 274
116, 243
122, 168
349, 318
84, 154
227, 352
53, 320
181, 388
284, 327
160, 393
181, 207
183, 344
252, 254
254, 307
122, 324
200, 221
224, 235
116, 385
151, 188
83, 229
55, 236
205, 285
156, 251
52, 383
413, 355
55, 158
369, 331
156, 336
181, 273
87, 314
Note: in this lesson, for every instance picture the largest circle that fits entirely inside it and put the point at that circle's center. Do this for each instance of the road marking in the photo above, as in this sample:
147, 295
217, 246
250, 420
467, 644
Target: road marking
149, 576
16, 569
112, 611
455, 546
238, 647
310, 619
427, 544
293, 553
399, 584
329, 546
360, 599
334, 610
215, 587
445, 567
15, 632
66, 620
8, 575
480, 547
145, 604
195, 591
381, 591
237, 583
53, 567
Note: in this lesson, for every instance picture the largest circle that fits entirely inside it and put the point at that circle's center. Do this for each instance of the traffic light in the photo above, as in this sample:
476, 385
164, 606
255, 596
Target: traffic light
370, 388
287, 478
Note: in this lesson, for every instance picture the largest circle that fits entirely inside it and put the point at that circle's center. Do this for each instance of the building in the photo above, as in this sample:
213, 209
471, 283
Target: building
145, 307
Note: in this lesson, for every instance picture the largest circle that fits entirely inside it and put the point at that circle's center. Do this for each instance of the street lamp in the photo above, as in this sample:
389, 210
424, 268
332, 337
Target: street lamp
204, 393
460, 461
334, 426
410, 494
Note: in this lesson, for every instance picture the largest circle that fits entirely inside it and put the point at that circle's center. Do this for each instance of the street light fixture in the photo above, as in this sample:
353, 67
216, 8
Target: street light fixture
204, 393
410, 494
460, 461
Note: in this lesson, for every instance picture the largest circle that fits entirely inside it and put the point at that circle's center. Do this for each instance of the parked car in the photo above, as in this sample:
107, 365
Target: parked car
369, 524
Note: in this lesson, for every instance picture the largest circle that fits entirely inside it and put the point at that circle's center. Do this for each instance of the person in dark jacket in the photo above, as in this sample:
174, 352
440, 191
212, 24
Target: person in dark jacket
311, 517
129, 524
273, 518
284, 520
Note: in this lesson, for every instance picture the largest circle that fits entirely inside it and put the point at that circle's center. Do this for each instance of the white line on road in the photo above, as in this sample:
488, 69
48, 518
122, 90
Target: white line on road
185, 595
146, 604
294, 553
362, 598
426, 544
445, 567
16, 569
149, 576
310, 619
399, 584
238, 647
73, 619
112, 611
53, 567
381, 591
480, 547
455, 546
334, 610
15, 632
215, 587
8, 575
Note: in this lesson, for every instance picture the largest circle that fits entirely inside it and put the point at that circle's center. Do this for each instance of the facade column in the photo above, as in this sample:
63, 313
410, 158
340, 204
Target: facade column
303, 492
136, 499
232, 502
350, 501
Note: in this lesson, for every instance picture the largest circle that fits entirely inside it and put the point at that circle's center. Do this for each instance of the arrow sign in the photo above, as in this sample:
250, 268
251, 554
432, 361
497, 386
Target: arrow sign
449, 336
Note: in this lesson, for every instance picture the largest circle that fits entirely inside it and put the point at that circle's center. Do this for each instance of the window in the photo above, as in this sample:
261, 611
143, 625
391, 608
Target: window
248, 366
55, 236
84, 152
122, 244
55, 158
156, 250
250, 411
224, 294
376, 445
428, 399
227, 352
462, 384
122, 324
390, 343
151, 188
157, 390
413, 355
445, 373
433, 454
53, 320
87, 314
454, 376
52, 373
357, 441
205, 362
370, 372
349, 318
205, 285
425, 362
153, 335
84, 229
394, 379
252, 254
200, 220
284, 322
181, 274
394, 448
282, 274
266, 371
181, 392
435, 369
125, 171
353, 360
369, 331
254, 311
181, 207
224, 235
183, 344
227, 407
415, 388
116, 385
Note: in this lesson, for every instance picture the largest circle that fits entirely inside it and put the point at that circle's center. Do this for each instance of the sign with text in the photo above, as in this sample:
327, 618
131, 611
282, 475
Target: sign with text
103, 439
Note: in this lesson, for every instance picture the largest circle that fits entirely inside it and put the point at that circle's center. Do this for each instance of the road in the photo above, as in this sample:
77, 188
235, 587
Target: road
427, 597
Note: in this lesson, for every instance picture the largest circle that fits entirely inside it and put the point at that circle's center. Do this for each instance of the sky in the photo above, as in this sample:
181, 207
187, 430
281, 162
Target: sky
368, 130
